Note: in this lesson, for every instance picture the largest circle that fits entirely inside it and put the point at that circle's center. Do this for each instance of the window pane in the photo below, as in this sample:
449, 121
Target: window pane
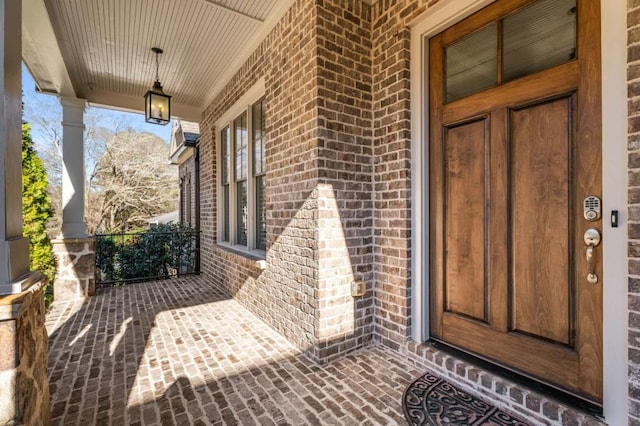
242, 213
182, 200
225, 143
472, 63
225, 213
539, 37
240, 129
261, 215
258, 139
188, 202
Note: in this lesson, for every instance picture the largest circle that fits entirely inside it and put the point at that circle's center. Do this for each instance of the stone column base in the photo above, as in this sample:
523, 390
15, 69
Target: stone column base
24, 394
75, 268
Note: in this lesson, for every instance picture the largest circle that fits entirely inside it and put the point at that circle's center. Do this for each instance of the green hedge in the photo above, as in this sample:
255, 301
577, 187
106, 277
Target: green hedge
160, 252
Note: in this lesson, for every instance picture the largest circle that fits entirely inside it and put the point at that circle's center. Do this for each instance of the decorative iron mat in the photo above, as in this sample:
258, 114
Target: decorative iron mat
430, 400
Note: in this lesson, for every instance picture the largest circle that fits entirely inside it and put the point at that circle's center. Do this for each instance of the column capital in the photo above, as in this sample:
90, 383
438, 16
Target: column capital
66, 101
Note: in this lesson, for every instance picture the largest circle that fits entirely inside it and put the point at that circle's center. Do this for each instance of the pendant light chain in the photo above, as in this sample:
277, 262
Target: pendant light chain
157, 67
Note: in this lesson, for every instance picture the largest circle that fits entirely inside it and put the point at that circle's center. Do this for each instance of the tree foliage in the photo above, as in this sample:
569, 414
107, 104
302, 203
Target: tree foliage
131, 181
36, 207
116, 198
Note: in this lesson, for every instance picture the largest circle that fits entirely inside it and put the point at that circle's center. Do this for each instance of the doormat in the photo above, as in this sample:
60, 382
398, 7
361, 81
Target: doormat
431, 400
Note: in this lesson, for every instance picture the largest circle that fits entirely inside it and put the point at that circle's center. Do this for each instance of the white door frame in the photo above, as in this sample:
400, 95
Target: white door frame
614, 171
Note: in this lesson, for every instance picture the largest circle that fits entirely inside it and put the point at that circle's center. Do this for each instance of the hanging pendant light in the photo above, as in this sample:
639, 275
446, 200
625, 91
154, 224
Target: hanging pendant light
157, 105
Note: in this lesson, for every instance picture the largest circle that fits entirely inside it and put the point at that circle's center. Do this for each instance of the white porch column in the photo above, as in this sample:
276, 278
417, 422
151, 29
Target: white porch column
73, 170
14, 248
24, 393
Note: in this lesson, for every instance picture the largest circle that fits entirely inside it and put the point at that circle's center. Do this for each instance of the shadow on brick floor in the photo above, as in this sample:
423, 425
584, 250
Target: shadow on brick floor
181, 352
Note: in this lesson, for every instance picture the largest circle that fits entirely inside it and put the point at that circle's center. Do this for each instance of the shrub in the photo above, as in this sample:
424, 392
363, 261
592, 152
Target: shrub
36, 211
160, 252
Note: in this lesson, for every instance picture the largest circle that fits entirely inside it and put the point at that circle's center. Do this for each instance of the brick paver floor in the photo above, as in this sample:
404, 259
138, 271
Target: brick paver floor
179, 352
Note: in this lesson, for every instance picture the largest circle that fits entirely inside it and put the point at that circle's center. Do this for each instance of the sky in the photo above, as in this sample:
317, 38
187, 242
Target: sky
38, 106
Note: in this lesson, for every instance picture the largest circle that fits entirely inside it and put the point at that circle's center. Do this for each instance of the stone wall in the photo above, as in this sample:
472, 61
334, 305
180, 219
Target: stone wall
24, 394
75, 268
633, 77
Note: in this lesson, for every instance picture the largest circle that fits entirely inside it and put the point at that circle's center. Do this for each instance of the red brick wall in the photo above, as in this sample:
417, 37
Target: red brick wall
337, 77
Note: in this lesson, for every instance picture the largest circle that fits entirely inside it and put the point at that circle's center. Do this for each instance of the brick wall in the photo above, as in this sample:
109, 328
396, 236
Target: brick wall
338, 176
338, 183
345, 224
392, 152
633, 77
318, 182
282, 294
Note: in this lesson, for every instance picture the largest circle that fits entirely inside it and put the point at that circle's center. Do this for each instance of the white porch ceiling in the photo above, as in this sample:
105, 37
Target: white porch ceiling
99, 50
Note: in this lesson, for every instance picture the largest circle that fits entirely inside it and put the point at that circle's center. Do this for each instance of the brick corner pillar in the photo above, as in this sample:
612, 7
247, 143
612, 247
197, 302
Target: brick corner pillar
75, 268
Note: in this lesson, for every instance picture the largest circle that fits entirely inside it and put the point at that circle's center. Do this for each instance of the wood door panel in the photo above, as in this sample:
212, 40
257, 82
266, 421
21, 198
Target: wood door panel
533, 357
509, 167
464, 164
541, 279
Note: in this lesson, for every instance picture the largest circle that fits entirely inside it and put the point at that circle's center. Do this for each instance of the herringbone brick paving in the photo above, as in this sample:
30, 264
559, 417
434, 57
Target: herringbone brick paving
180, 352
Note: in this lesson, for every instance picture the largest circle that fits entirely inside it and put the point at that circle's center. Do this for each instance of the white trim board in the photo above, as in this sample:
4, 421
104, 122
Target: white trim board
614, 170
432, 22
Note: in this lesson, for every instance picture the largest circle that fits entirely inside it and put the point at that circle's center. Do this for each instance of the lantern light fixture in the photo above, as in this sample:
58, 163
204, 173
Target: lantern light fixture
157, 104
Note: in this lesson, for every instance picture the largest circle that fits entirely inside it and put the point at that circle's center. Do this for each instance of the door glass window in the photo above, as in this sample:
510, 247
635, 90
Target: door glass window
533, 39
539, 37
472, 63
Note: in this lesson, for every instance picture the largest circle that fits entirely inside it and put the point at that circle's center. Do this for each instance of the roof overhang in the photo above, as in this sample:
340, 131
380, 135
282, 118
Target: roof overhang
99, 50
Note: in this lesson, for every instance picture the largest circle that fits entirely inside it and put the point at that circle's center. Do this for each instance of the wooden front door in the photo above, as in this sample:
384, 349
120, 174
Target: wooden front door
515, 148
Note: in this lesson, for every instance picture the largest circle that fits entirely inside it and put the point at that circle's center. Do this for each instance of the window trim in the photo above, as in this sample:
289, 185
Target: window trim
243, 105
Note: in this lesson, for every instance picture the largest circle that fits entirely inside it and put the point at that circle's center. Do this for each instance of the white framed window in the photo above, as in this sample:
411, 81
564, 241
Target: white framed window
241, 174
187, 201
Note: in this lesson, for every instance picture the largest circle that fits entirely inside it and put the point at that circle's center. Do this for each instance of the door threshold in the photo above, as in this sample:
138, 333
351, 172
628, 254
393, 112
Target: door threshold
563, 396
537, 402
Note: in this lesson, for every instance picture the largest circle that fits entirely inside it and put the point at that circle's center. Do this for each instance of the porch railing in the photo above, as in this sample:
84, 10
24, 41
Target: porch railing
147, 256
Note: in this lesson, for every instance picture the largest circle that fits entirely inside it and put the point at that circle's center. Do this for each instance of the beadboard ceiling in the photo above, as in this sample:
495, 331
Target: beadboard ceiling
99, 50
